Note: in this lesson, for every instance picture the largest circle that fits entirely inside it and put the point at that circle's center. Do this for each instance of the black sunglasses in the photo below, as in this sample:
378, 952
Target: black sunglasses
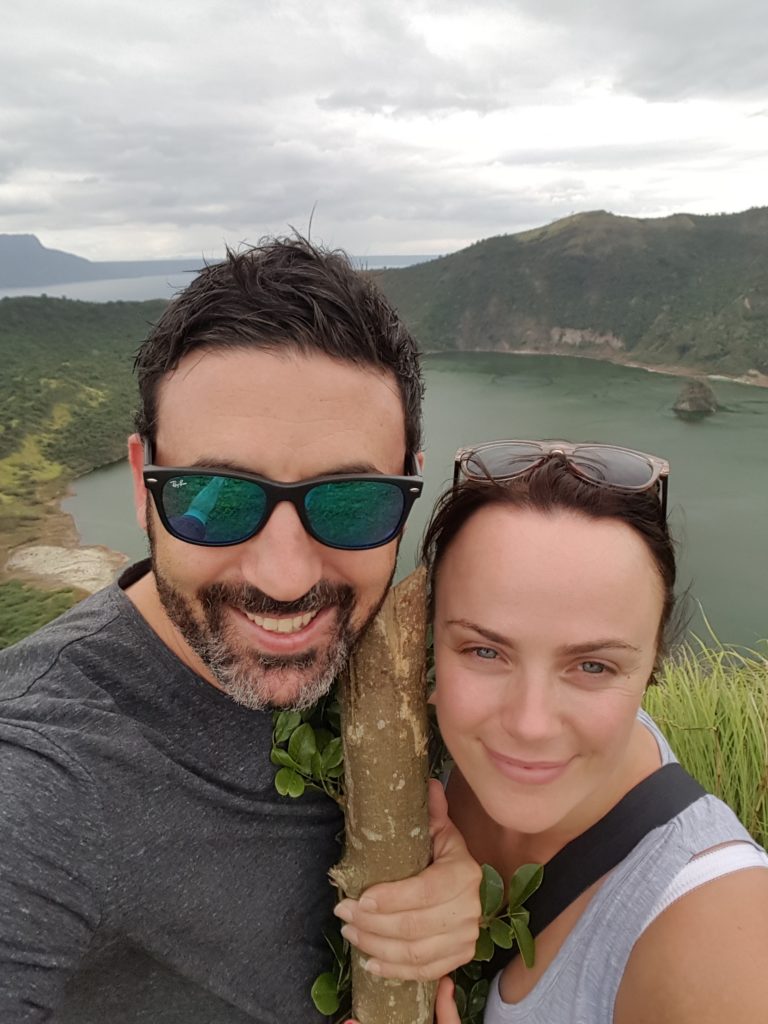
604, 465
217, 508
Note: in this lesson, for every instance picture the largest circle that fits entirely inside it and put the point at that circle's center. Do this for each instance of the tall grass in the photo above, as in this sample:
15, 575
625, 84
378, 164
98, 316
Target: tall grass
712, 705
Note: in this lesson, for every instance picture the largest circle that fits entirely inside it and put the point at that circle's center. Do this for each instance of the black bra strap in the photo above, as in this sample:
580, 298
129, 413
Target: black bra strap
653, 802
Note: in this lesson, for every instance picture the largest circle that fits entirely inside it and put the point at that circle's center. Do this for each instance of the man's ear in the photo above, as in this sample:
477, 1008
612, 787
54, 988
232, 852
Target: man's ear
136, 459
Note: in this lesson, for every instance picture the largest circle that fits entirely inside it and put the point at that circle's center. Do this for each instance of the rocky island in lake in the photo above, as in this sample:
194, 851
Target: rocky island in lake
695, 401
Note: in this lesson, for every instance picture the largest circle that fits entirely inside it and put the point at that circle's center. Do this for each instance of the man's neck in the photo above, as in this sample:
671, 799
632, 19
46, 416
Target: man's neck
143, 594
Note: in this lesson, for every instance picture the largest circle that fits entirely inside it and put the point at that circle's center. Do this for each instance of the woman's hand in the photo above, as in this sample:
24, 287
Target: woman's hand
422, 927
445, 1006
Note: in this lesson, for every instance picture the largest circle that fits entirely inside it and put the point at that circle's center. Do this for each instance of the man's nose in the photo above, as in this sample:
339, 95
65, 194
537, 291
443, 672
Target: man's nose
282, 560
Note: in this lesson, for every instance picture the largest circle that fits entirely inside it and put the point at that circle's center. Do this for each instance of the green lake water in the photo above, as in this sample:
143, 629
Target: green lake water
718, 483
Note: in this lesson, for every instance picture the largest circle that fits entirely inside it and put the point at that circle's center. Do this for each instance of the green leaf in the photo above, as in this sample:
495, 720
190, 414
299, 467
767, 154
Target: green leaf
316, 763
472, 970
325, 995
282, 757
477, 998
524, 883
521, 915
289, 783
286, 722
461, 1000
335, 773
491, 891
484, 947
322, 738
525, 942
502, 933
302, 746
333, 754
296, 785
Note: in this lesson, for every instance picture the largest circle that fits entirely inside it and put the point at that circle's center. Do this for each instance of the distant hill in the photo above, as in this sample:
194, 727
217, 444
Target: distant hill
25, 262
682, 290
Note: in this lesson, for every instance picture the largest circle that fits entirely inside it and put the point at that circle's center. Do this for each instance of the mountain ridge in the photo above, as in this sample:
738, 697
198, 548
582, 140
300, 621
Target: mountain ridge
25, 263
686, 289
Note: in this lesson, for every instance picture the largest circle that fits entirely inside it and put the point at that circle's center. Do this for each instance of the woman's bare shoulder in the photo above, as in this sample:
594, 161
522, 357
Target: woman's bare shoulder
704, 960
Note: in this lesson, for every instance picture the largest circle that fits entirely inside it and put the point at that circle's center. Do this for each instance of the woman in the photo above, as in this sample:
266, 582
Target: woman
552, 577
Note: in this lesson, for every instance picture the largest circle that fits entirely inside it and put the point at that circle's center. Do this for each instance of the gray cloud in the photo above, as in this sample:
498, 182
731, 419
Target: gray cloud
614, 156
162, 129
666, 51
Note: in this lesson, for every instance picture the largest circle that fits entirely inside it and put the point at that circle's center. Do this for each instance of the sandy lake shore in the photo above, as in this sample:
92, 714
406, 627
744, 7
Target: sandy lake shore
86, 568
752, 377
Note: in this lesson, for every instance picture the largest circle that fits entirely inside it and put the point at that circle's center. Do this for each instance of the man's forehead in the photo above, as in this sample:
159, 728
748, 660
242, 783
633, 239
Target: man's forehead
282, 366
307, 412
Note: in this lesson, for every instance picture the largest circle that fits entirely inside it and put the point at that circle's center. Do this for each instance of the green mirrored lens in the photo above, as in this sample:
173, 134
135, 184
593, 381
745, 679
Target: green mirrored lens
355, 513
213, 509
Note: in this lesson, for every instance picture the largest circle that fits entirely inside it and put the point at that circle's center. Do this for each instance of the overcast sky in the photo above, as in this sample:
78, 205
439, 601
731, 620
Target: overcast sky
132, 129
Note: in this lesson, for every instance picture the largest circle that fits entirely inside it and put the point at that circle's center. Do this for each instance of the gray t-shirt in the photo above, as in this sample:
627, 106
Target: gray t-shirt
149, 871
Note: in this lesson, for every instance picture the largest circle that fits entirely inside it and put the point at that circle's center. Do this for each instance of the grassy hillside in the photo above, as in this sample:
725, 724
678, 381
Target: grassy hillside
66, 398
678, 290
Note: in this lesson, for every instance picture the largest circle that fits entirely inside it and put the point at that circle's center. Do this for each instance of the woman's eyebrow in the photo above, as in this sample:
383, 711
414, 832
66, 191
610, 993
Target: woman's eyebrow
599, 645
489, 634
609, 643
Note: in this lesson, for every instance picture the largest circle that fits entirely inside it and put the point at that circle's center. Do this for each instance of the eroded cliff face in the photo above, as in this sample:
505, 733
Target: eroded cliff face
526, 335
569, 338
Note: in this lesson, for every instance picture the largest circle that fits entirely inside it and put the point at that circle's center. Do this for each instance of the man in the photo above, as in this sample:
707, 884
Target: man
149, 871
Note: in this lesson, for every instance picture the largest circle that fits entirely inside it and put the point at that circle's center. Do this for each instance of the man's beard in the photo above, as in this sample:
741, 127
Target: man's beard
252, 677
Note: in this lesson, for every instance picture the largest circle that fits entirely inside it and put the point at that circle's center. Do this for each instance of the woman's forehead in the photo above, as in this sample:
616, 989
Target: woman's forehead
554, 563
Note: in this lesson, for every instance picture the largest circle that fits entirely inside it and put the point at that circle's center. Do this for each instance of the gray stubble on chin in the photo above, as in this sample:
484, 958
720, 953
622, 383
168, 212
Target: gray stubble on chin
250, 677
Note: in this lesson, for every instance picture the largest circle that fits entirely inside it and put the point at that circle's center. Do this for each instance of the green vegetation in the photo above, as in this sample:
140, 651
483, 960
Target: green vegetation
682, 290
712, 705
66, 398
66, 407
24, 609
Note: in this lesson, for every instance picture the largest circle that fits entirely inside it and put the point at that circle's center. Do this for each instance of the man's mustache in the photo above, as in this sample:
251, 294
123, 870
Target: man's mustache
250, 599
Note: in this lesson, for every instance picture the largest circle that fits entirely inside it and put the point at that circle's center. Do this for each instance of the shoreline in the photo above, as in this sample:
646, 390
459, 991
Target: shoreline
57, 559
86, 568
754, 379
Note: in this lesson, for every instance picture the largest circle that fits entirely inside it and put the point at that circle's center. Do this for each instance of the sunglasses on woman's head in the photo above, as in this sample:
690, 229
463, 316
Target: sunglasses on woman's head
603, 465
219, 507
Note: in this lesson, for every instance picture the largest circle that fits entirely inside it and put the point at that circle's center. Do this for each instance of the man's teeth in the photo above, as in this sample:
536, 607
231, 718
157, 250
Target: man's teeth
284, 625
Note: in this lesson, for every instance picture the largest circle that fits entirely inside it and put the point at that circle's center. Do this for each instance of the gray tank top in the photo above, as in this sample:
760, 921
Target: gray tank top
581, 983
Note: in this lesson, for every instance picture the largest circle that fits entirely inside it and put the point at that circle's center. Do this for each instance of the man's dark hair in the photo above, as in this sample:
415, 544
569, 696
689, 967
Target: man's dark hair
284, 293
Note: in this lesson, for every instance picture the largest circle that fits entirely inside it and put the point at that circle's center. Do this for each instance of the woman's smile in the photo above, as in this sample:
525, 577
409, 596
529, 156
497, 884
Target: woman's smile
528, 772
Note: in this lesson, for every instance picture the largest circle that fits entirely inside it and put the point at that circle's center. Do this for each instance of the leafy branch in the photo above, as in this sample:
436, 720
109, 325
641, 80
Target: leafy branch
307, 750
306, 747
504, 924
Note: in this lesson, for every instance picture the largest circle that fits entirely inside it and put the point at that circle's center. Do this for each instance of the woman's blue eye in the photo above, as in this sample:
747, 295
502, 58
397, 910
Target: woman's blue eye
593, 668
485, 652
